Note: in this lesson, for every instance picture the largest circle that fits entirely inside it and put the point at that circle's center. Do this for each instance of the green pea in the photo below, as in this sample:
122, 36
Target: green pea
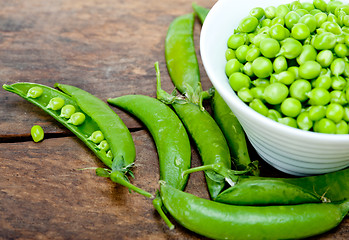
67, 111
338, 83
338, 66
277, 21
236, 40
282, 10
309, 70
295, 71
266, 22
299, 89
247, 69
319, 96
229, 54
332, 27
35, 92
103, 145
233, 65
300, 31
325, 125
288, 121
257, 12
248, 24
109, 154
323, 81
291, 19
320, 18
335, 112
295, 5
338, 96
241, 52
341, 50
77, 118
96, 137
280, 64
320, 4
325, 40
278, 32
308, 6
308, 54
245, 94
325, 58
342, 127
252, 54
258, 92
269, 47
291, 107
290, 48
310, 21
274, 114
275, 93
37, 133
270, 12
258, 38
262, 67
56, 103
304, 122
285, 77
317, 112
257, 105
238, 80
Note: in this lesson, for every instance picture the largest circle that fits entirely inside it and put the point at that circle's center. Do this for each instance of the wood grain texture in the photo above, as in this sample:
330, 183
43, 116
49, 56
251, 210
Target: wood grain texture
106, 47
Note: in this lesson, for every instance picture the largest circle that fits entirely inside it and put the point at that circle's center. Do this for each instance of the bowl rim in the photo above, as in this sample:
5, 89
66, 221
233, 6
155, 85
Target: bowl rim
206, 36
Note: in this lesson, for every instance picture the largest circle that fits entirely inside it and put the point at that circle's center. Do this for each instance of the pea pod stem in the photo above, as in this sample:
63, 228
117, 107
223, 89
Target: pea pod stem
231, 176
158, 205
120, 178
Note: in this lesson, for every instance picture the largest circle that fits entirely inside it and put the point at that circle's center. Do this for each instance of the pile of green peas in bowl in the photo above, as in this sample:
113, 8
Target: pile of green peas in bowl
290, 63
288, 131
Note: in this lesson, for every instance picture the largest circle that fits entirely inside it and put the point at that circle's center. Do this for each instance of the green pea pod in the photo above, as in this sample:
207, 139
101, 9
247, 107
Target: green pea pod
221, 221
200, 11
180, 55
228, 122
266, 192
206, 134
233, 133
93, 115
169, 134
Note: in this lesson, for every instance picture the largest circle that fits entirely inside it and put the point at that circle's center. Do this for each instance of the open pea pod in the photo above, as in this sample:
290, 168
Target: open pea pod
92, 121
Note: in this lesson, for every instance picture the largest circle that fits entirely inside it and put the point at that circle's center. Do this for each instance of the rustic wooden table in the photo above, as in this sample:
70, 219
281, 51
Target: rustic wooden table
106, 47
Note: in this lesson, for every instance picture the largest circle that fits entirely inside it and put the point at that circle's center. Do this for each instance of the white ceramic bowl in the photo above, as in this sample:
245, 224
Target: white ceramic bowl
290, 150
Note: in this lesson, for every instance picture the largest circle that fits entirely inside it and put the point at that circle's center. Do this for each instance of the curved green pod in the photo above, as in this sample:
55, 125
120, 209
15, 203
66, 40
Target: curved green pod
171, 139
233, 132
181, 60
221, 221
93, 115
